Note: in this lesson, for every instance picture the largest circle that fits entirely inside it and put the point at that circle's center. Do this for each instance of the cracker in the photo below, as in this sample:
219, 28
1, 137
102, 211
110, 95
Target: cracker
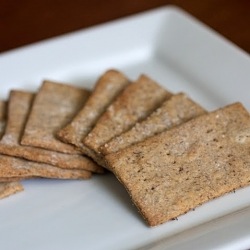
13, 167
173, 172
174, 111
12, 179
9, 188
3, 109
135, 103
54, 106
107, 88
18, 110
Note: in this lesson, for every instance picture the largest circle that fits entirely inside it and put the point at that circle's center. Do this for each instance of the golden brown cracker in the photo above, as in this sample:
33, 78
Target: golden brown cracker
180, 169
54, 106
9, 188
106, 89
177, 109
13, 167
134, 104
19, 106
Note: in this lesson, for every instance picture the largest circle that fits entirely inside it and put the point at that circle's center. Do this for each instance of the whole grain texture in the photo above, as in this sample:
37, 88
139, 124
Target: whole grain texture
53, 108
176, 110
135, 103
173, 172
20, 103
106, 89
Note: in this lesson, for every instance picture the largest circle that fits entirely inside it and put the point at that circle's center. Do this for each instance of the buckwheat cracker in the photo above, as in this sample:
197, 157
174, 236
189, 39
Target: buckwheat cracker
19, 106
177, 109
13, 179
12, 167
134, 104
173, 172
9, 188
107, 88
54, 106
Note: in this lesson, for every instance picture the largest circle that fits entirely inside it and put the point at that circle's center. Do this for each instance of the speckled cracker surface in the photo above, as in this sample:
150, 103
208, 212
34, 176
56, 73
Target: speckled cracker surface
18, 110
9, 188
18, 168
54, 106
177, 109
177, 170
108, 86
135, 103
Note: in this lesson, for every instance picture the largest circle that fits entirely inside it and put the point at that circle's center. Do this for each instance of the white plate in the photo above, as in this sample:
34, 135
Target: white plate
183, 55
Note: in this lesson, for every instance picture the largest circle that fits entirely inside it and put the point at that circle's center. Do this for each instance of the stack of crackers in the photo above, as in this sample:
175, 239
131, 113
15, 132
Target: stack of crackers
170, 154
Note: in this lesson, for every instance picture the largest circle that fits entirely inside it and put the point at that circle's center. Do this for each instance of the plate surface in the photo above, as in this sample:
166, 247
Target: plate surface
181, 54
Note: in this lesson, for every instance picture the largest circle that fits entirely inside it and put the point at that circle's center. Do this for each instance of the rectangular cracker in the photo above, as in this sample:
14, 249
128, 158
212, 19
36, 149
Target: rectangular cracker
134, 104
173, 172
19, 106
9, 188
177, 109
13, 167
106, 89
54, 106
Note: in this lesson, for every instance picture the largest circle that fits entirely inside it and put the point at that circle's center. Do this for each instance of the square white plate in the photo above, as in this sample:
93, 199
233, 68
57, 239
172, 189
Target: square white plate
183, 55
